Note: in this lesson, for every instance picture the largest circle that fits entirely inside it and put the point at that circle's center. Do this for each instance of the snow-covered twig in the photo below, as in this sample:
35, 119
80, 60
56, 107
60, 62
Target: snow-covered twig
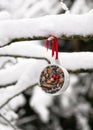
27, 57
15, 93
66, 26
7, 60
64, 6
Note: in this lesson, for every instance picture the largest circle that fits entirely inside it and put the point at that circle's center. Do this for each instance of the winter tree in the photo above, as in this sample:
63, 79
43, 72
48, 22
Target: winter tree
24, 27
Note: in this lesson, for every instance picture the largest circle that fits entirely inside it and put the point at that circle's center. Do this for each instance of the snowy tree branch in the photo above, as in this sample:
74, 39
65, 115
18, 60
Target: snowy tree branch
82, 61
16, 93
26, 73
43, 58
27, 57
65, 26
81, 71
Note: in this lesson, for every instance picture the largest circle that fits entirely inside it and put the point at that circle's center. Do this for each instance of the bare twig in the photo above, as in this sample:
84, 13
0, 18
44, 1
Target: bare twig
26, 120
9, 123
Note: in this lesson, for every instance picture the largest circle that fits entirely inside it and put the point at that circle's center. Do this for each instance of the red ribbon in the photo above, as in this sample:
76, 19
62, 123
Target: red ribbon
54, 45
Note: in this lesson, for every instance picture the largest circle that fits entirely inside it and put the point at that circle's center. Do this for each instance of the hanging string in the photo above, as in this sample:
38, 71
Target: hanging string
54, 45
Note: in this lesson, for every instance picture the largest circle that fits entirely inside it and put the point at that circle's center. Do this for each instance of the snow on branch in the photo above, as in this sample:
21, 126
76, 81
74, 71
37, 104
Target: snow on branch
65, 26
11, 92
26, 72
74, 62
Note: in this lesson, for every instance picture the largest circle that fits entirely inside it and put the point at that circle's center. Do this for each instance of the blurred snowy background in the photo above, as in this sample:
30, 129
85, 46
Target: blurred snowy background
33, 109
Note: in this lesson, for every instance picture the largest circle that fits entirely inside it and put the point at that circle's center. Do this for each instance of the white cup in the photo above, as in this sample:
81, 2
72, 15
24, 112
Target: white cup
65, 83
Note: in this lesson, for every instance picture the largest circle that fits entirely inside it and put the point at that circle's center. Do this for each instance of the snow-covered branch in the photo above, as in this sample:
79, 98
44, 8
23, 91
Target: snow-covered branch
26, 72
16, 90
66, 26
79, 70
74, 62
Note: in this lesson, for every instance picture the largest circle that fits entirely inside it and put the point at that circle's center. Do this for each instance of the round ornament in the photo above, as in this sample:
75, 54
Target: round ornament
54, 79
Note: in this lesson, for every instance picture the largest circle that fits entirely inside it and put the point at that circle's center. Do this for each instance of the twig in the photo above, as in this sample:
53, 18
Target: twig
8, 85
9, 123
26, 120
3, 65
81, 71
64, 6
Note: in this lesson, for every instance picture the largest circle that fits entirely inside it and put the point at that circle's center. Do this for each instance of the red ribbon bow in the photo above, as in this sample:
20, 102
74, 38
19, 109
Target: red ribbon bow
54, 45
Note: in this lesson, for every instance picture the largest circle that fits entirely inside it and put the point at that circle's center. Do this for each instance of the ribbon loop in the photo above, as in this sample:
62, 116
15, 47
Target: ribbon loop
54, 45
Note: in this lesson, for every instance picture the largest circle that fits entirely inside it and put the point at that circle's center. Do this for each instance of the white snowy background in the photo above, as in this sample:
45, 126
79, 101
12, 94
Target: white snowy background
18, 69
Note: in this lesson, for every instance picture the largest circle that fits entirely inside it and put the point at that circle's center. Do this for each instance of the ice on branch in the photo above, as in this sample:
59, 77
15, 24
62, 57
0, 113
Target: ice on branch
63, 26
